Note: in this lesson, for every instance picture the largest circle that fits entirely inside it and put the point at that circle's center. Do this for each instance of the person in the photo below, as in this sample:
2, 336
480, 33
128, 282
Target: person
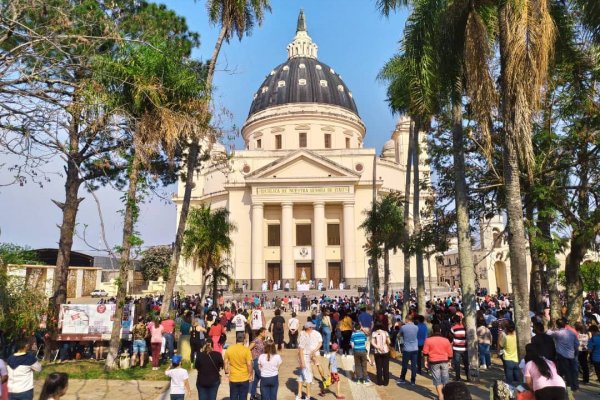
309, 344
21, 366
334, 376
583, 355
139, 333
277, 328
196, 338
180, 379
459, 347
3, 379
409, 332
208, 364
184, 347
380, 343
55, 386
484, 341
156, 338
566, 348
240, 322
257, 321
543, 341
421, 336
268, 365
345, 327
594, 349
456, 391
293, 325
437, 353
238, 364
541, 376
512, 372
215, 332
358, 341
257, 347
168, 325
330, 284
326, 326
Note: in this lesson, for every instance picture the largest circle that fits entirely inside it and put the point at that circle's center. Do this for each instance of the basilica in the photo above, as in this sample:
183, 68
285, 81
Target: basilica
298, 192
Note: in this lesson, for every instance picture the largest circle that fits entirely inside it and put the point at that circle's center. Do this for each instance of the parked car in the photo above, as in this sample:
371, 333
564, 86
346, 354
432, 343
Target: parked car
99, 293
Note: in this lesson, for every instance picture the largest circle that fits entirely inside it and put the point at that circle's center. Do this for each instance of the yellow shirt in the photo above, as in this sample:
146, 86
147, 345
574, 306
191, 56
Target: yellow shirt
238, 357
346, 324
510, 348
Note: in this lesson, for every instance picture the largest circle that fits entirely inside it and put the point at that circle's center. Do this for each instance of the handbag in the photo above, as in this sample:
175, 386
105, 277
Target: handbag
222, 339
394, 354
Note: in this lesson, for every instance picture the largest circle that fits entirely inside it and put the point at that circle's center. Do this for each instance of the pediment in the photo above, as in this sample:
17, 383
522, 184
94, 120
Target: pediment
303, 164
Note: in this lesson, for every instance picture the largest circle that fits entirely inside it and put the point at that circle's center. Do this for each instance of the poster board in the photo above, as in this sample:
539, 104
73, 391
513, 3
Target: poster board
91, 322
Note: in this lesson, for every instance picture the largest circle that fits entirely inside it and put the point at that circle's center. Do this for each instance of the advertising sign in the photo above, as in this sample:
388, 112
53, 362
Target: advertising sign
92, 321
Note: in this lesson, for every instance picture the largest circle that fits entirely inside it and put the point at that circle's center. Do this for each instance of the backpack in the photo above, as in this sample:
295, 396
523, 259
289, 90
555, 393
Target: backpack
195, 336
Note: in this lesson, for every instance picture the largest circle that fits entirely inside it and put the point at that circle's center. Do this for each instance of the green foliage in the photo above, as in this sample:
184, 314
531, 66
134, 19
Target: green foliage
384, 225
22, 306
155, 262
237, 16
93, 370
590, 274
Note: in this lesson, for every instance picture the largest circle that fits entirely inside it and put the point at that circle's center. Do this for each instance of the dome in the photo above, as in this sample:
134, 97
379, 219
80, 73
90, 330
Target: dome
302, 79
389, 149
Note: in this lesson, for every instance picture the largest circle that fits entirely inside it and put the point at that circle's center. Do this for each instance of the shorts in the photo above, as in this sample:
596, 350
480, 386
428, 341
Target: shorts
439, 373
335, 377
306, 374
139, 346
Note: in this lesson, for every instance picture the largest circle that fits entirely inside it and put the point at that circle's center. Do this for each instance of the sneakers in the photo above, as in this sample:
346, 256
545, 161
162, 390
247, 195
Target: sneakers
401, 382
367, 382
483, 367
327, 355
299, 398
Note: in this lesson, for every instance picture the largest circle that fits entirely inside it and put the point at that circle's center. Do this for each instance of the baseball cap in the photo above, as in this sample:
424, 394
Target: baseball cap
309, 325
176, 359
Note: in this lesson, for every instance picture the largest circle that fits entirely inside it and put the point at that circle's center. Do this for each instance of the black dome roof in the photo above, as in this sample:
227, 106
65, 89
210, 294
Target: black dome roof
321, 85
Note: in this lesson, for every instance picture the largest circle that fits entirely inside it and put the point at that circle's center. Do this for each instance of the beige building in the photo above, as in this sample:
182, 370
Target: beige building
298, 191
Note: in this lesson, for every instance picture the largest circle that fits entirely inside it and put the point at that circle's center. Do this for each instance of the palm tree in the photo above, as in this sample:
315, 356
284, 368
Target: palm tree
157, 94
206, 242
236, 18
219, 274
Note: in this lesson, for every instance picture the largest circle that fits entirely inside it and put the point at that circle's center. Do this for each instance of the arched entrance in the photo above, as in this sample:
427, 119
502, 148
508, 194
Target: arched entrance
501, 277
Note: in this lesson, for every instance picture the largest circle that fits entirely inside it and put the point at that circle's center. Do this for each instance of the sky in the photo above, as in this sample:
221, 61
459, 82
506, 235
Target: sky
353, 38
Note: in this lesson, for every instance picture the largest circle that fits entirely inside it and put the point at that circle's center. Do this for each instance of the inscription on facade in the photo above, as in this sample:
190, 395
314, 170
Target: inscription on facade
304, 190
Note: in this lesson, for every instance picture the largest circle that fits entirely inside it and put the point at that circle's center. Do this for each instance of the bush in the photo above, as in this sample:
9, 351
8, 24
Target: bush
155, 262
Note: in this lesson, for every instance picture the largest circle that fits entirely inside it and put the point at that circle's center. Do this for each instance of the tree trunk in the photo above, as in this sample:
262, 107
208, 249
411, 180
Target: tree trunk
578, 249
203, 290
465, 255
417, 218
130, 216
192, 163
374, 276
552, 266
215, 285
386, 273
536, 296
406, 233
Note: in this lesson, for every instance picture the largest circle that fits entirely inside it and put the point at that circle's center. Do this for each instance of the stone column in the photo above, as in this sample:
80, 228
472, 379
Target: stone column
287, 245
257, 264
319, 240
349, 231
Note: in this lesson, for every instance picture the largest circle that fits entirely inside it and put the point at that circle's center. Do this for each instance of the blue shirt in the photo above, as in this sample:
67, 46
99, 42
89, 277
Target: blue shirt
410, 332
359, 341
594, 347
333, 362
421, 334
566, 342
365, 319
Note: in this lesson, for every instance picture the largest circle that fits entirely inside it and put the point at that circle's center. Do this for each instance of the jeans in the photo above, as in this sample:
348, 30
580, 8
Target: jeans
268, 388
326, 339
360, 365
208, 392
457, 357
584, 364
177, 397
27, 395
169, 344
485, 358
512, 372
382, 365
256, 380
420, 360
239, 390
567, 367
411, 356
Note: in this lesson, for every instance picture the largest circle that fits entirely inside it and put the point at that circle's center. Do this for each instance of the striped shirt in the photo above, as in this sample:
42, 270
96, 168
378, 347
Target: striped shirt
459, 337
359, 340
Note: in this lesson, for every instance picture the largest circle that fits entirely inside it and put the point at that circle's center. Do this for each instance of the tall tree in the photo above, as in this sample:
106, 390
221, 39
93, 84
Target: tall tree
235, 18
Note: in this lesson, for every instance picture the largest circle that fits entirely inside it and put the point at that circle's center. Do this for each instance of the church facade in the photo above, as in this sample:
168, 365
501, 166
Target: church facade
298, 192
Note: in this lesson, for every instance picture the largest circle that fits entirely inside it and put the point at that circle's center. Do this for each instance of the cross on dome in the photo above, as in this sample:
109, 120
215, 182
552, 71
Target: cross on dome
302, 44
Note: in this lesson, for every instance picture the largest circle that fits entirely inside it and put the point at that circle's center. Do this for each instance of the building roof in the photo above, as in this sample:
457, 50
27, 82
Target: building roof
302, 79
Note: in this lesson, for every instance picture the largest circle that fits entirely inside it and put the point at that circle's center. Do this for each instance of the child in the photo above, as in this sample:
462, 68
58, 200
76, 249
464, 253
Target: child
334, 377
180, 383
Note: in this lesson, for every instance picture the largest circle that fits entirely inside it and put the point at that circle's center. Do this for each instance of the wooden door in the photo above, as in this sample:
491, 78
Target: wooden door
334, 272
306, 268
273, 272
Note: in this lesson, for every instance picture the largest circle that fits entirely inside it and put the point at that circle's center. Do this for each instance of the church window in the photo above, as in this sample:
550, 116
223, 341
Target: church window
302, 82
302, 139
281, 84
347, 142
278, 142
333, 234
265, 89
286, 68
350, 94
274, 235
318, 67
303, 235
341, 88
331, 70
301, 66
259, 143
328, 140
273, 72
323, 83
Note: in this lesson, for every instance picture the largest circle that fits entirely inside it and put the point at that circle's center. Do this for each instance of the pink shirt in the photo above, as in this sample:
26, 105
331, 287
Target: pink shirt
168, 325
540, 381
156, 333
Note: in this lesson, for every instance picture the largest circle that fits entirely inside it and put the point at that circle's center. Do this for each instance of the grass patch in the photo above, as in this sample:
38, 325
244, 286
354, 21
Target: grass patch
95, 370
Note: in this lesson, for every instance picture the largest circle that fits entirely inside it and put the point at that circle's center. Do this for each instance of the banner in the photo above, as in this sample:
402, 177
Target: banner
92, 321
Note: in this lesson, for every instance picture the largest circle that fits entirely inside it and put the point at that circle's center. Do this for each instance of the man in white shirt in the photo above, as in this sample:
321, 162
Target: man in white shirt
257, 321
293, 325
309, 344
239, 321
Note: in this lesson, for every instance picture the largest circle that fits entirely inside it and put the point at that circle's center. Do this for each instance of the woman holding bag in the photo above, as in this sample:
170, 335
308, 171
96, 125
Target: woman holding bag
209, 364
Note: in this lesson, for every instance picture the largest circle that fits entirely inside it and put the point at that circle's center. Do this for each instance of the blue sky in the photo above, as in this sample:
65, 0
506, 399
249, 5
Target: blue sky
352, 38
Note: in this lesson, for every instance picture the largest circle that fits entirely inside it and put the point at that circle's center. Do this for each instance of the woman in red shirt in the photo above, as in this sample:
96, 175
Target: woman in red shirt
215, 332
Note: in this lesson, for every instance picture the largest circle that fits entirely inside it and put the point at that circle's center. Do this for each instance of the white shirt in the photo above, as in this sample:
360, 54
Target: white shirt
3, 372
256, 319
293, 324
269, 368
178, 377
310, 343
240, 323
